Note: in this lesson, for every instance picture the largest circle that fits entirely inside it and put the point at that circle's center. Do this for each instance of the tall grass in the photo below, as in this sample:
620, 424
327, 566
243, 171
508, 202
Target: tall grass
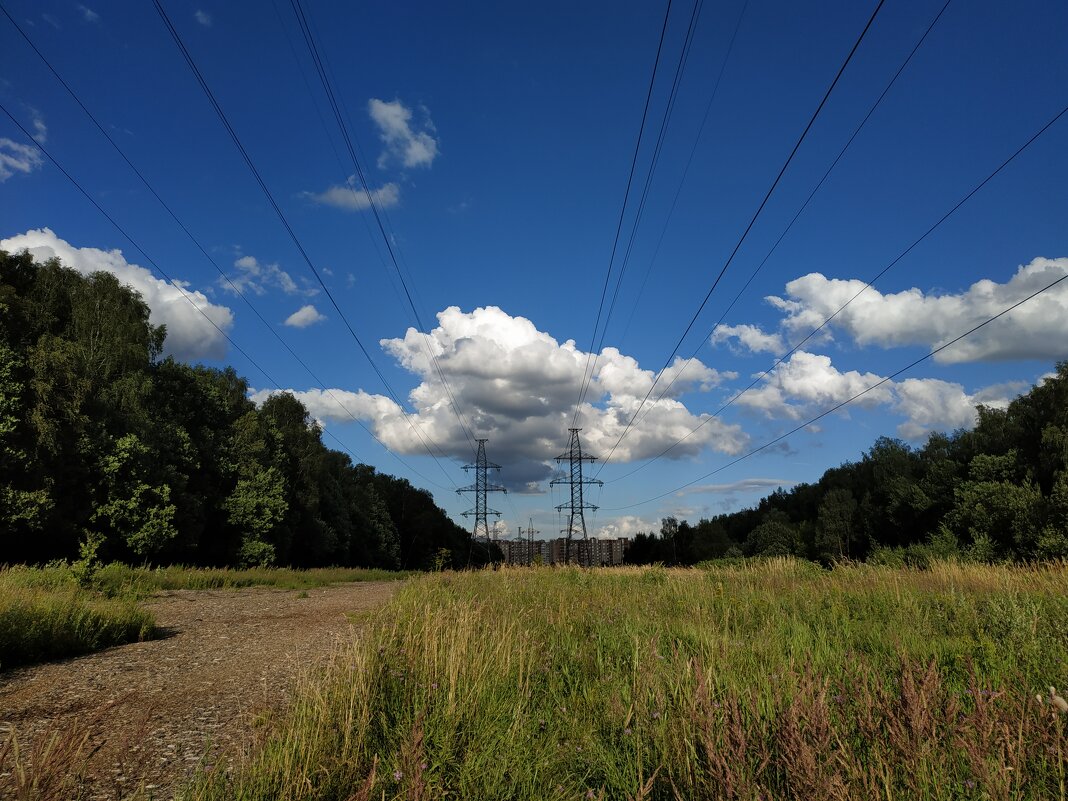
756, 681
120, 579
49, 616
62, 610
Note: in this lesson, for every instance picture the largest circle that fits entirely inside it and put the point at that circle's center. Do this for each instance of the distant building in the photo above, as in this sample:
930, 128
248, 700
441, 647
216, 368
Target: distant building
588, 553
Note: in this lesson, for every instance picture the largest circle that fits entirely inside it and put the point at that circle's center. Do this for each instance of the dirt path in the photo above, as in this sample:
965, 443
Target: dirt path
151, 709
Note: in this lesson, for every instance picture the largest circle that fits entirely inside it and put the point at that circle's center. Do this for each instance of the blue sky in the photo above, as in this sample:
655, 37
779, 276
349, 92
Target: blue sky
497, 140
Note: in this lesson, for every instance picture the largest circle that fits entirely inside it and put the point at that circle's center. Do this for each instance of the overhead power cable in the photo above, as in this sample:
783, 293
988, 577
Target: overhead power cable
686, 168
77, 99
622, 212
289, 229
148, 258
859, 292
785, 231
849, 400
753, 219
333, 100
665, 121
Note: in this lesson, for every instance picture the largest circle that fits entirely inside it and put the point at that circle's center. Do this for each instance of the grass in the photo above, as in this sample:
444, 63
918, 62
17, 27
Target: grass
117, 579
43, 620
62, 610
771, 681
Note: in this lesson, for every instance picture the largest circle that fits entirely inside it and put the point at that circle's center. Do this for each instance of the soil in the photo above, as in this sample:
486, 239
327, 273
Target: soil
137, 719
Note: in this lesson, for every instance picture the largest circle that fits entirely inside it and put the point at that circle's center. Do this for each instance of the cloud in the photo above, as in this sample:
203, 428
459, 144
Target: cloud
627, 526
39, 127
412, 148
749, 337
744, 485
517, 386
353, 198
808, 384
935, 405
89, 14
189, 335
1036, 330
257, 277
203, 17
304, 316
15, 157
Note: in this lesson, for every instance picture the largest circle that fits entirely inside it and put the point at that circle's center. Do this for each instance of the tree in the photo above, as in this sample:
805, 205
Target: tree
834, 527
775, 536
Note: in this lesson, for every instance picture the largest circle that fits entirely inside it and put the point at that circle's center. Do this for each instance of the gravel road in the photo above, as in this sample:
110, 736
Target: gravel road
147, 713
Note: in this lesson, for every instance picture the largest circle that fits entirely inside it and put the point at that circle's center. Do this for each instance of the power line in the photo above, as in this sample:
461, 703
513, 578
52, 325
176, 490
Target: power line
324, 79
201, 248
860, 394
654, 161
686, 168
756, 214
789, 226
289, 229
622, 211
862, 290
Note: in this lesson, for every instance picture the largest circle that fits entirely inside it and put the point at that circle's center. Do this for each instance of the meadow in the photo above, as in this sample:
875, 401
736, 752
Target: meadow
65, 609
772, 680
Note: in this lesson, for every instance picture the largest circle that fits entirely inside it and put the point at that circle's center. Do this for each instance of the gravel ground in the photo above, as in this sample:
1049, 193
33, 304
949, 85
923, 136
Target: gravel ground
140, 717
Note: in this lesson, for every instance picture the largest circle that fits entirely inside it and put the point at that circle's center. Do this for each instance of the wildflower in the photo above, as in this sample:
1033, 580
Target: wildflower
969, 784
434, 686
626, 730
398, 775
589, 794
422, 766
656, 716
839, 698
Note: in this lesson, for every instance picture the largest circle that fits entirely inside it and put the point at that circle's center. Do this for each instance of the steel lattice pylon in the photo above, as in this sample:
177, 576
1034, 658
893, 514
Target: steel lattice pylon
481, 487
576, 524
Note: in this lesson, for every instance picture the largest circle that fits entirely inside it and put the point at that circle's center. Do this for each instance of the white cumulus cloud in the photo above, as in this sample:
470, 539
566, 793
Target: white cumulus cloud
517, 386
15, 157
1036, 330
626, 526
203, 17
189, 334
304, 316
750, 337
352, 197
412, 147
808, 384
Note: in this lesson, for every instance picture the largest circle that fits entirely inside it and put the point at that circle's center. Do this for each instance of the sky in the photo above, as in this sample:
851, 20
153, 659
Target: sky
496, 142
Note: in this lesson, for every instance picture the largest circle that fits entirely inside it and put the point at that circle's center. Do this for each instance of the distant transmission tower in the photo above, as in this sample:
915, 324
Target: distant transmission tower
480, 488
576, 524
530, 539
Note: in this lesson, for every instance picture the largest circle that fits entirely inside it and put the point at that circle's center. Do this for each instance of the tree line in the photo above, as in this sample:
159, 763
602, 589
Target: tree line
109, 448
998, 492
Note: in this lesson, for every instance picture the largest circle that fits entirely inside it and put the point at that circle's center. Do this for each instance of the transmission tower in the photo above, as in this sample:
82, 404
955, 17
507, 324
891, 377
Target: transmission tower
481, 487
530, 539
576, 524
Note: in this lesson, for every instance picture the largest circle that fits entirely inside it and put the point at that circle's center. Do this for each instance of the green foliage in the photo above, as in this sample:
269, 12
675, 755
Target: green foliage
162, 462
774, 537
993, 494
